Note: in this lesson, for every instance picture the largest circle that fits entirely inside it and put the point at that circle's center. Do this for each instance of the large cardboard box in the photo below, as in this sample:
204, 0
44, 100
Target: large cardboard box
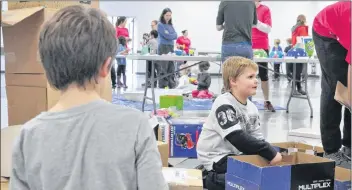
25, 76
4, 184
342, 179
298, 171
183, 179
289, 147
8, 137
50, 4
164, 153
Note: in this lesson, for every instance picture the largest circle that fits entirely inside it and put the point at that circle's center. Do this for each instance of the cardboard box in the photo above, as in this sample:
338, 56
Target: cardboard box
50, 4
4, 184
183, 137
298, 171
24, 72
289, 147
183, 179
164, 153
342, 179
8, 137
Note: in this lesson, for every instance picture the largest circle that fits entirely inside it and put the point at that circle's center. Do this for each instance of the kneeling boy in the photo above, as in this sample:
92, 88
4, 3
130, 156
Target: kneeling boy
233, 126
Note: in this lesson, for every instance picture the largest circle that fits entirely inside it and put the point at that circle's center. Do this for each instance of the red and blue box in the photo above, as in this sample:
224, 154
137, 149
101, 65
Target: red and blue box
298, 171
183, 137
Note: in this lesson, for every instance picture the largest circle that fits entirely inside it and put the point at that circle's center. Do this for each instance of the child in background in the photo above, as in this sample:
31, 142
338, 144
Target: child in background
153, 49
121, 62
233, 125
204, 81
289, 66
84, 142
278, 49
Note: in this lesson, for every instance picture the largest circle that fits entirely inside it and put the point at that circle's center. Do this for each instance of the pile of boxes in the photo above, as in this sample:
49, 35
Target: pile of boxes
24, 74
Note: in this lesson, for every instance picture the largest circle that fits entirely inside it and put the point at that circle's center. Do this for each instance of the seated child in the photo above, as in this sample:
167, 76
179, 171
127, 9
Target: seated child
84, 142
204, 81
233, 126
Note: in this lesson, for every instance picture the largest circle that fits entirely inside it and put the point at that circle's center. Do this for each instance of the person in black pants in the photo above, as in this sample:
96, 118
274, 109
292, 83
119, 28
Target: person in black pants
113, 75
289, 66
334, 58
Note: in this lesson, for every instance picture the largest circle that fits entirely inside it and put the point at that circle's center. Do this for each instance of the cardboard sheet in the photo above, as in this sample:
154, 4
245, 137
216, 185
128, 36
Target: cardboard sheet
341, 95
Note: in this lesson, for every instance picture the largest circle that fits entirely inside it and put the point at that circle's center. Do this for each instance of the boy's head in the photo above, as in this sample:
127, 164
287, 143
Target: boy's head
154, 34
122, 40
76, 46
277, 42
239, 75
204, 66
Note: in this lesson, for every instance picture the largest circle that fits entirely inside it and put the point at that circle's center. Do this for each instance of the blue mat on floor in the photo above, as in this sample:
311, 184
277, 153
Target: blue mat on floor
189, 105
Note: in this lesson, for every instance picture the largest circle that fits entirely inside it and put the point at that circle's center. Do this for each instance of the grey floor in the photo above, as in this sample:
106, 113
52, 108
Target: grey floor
275, 126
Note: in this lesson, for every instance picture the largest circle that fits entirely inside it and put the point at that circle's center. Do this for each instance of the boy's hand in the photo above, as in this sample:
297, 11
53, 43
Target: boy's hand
277, 159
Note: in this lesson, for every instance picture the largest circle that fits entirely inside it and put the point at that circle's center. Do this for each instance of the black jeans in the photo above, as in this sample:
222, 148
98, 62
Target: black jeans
215, 179
113, 75
166, 67
149, 72
334, 68
299, 70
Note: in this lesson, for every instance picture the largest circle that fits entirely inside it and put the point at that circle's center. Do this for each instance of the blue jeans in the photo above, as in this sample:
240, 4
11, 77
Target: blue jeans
243, 49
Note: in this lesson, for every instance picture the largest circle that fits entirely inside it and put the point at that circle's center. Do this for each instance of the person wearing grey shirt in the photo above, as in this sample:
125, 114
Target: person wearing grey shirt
84, 142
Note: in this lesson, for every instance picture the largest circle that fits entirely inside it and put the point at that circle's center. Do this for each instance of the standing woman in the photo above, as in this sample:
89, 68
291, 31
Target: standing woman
167, 36
299, 29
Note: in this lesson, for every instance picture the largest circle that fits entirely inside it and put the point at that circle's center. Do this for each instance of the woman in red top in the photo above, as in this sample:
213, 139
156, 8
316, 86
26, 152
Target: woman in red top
299, 29
332, 39
183, 42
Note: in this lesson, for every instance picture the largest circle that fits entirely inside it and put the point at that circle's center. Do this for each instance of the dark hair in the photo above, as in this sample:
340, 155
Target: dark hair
120, 20
154, 33
183, 32
161, 19
74, 44
122, 40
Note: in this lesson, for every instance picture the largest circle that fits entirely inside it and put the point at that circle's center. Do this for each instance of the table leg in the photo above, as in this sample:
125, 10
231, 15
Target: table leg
293, 87
152, 81
307, 94
145, 86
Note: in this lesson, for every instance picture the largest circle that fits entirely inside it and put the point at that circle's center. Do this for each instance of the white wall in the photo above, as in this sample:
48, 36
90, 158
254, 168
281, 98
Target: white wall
198, 17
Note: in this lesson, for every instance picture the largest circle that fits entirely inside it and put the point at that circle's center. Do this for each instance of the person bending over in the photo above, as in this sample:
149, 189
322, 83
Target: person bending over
233, 126
84, 142
332, 39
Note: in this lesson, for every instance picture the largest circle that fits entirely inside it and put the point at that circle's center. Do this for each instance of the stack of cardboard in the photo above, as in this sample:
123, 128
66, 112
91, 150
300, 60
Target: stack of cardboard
28, 92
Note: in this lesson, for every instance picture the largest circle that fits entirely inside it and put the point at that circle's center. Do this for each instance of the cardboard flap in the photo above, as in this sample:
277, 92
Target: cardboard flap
12, 17
8, 137
342, 174
341, 95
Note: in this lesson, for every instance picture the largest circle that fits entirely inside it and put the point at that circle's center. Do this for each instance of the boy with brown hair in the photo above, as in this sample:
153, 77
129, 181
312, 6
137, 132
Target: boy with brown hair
84, 142
233, 126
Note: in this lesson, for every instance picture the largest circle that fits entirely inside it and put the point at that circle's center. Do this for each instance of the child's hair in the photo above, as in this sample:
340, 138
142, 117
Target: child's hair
185, 71
183, 32
301, 19
277, 41
120, 20
289, 40
233, 67
122, 40
203, 66
74, 44
154, 33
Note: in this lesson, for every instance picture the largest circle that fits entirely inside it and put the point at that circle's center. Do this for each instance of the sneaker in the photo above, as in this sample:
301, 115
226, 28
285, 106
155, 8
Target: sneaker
340, 159
347, 152
268, 106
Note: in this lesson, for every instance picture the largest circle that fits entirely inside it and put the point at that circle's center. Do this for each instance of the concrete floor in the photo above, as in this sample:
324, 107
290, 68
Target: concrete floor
275, 126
